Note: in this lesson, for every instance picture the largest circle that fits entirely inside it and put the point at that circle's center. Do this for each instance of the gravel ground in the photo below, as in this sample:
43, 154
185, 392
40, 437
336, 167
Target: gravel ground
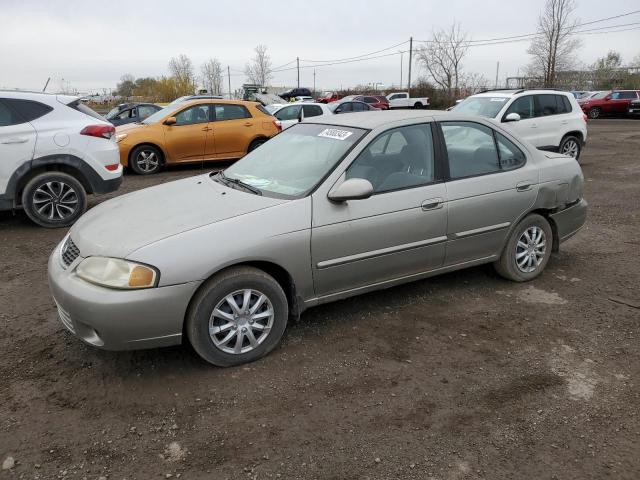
462, 376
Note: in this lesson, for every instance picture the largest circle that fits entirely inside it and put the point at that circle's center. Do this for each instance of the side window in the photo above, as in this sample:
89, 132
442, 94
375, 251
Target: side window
547, 105
346, 107
628, 95
560, 106
523, 106
287, 113
27, 110
567, 104
359, 107
470, 148
388, 169
511, 157
8, 117
370, 100
231, 112
311, 110
192, 115
145, 111
123, 115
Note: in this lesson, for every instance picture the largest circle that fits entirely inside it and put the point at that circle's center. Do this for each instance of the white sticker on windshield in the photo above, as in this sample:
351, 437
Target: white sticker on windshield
335, 133
499, 100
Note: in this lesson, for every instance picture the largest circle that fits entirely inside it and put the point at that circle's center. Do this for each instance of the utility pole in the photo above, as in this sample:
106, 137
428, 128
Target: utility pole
298, 65
229, 77
401, 58
410, 61
314, 82
497, 71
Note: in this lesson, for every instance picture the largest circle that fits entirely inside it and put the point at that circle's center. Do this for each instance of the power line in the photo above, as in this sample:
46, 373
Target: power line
357, 56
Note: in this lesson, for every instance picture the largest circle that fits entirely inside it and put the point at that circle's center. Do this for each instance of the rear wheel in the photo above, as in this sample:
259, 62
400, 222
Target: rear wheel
417, 105
237, 317
54, 199
594, 112
256, 143
145, 160
527, 251
571, 145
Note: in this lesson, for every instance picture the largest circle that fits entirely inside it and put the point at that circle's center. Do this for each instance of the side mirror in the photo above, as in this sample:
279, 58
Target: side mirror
607, 98
170, 121
512, 117
351, 189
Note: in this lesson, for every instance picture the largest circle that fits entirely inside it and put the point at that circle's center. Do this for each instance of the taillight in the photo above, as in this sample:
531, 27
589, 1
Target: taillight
103, 131
278, 125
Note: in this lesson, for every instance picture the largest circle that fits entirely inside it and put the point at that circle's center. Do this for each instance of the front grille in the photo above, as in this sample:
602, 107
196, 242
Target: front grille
65, 318
69, 252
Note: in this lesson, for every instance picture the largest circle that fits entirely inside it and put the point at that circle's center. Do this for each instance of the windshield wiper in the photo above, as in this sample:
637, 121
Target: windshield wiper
240, 183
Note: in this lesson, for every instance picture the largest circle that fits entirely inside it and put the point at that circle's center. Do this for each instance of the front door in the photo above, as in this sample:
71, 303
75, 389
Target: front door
233, 129
398, 231
488, 189
17, 142
185, 141
527, 126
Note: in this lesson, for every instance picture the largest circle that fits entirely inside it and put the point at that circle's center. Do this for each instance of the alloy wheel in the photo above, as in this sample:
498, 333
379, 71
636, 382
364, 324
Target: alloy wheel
241, 321
55, 200
571, 148
147, 161
530, 249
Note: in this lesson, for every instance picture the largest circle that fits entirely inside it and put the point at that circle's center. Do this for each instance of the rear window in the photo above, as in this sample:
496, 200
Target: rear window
28, 110
81, 107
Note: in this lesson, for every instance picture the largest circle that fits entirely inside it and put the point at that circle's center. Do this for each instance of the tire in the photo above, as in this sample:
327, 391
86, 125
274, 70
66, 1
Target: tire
507, 266
256, 143
417, 105
221, 349
54, 199
571, 145
594, 112
145, 160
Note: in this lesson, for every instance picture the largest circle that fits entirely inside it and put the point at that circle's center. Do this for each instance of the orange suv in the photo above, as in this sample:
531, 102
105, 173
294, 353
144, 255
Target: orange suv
194, 131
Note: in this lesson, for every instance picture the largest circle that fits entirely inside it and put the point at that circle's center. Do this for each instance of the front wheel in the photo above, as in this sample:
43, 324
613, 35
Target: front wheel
145, 160
527, 251
594, 112
571, 146
237, 317
54, 199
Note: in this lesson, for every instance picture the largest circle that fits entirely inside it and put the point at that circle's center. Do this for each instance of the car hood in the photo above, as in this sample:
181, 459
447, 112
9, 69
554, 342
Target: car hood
120, 226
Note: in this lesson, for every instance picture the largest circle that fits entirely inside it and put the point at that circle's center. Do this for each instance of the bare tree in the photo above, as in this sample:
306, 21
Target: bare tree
442, 57
471, 83
258, 70
181, 68
554, 47
126, 85
212, 76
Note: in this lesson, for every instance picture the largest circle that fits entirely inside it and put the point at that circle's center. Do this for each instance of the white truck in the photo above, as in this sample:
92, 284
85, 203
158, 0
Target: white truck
403, 100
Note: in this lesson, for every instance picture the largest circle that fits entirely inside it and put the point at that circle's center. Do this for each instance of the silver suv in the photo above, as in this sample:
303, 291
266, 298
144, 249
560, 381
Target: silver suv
549, 119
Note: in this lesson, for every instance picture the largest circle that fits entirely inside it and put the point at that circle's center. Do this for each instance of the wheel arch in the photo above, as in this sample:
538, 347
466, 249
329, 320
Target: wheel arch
546, 214
574, 133
163, 160
259, 136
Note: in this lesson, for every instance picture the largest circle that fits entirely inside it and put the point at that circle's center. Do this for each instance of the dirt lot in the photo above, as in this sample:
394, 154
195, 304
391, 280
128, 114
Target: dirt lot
462, 376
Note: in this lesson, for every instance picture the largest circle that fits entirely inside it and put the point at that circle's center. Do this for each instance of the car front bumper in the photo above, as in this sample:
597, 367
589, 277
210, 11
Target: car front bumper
118, 319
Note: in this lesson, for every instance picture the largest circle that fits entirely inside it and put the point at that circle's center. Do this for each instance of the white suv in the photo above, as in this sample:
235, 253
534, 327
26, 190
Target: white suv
53, 151
549, 119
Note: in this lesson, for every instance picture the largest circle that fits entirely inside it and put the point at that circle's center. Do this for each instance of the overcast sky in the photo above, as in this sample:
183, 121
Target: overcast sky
90, 45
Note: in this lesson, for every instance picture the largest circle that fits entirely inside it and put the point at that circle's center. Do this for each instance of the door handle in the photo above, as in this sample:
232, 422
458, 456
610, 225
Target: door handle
248, 124
15, 140
533, 125
523, 186
564, 122
206, 129
432, 204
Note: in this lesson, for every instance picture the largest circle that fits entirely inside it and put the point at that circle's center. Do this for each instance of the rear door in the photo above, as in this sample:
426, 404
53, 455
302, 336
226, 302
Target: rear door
233, 129
309, 111
490, 186
17, 140
552, 120
620, 101
185, 141
397, 232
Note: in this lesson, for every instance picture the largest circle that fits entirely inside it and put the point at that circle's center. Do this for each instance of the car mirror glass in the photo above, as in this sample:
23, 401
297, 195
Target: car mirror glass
512, 117
351, 189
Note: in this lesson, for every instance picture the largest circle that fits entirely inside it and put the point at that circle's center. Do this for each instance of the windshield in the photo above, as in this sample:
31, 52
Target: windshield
179, 100
482, 106
112, 113
292, 163
160, 114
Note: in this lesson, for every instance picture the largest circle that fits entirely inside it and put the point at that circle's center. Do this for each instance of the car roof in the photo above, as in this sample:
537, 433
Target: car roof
375, 119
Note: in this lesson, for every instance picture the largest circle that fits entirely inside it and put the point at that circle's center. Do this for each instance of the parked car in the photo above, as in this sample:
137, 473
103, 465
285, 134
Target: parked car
303, 99
348, 106
131, 113
578, 94
597, 95
289, 115
323, 211
295, 92
328, 97
403, 100
186, 98
54, 150
195, 131
376, 101
634, 108
549, 119
614, 103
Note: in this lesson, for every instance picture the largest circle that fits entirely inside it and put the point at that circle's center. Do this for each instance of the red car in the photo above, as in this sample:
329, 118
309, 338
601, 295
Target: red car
377, 101
328, 97
615, 103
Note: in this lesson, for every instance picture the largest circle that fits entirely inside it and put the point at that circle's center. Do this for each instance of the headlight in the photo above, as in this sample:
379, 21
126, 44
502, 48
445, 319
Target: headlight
117, 273
120, 137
